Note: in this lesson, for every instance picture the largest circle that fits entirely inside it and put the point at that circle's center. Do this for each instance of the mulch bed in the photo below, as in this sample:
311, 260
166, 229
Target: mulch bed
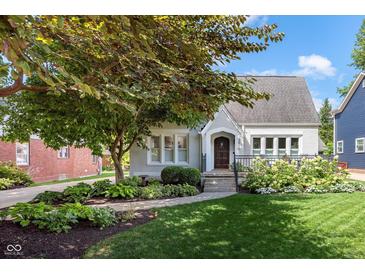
40, 244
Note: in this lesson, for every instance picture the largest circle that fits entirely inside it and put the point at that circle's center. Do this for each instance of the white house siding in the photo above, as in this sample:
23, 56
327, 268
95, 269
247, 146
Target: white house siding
308, 136
139, 165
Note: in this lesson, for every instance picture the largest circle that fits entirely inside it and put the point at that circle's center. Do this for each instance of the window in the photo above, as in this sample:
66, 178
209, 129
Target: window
282, 146
182, 147
256, 146
64, 153
169, 149
22, 154
294, 146
155, 149
95, 158
340, 146
363, 83
269, 146
359, 145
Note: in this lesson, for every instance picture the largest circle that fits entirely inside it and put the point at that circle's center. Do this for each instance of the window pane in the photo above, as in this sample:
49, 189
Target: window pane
269, 143
282, 143
256, 151
155, 149
22, 153
183, 155
155, 142
256, 143
169, 144
181, 142
294, 143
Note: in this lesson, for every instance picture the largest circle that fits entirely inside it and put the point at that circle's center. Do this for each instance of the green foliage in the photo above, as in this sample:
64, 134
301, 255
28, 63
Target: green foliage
190, 176
138, 72
152, 192
100, 187
79, 193
326, 128
153, 181
240, 167
6, 183
180, 175
49, 197
59, 219
10, 171
131, 181
122, 191
314, 175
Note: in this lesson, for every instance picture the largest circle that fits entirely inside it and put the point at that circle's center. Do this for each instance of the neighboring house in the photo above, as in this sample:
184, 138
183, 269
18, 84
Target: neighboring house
349, 126
287, 124
44, 164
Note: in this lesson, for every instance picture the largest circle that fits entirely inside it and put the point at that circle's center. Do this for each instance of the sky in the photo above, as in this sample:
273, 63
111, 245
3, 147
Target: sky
316, 47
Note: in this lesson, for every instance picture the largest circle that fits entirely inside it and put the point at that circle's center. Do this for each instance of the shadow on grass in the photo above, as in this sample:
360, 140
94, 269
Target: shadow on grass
241, 226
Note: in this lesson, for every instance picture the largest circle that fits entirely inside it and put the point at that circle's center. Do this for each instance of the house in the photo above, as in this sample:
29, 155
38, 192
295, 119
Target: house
45, 164
349, 126
287, 124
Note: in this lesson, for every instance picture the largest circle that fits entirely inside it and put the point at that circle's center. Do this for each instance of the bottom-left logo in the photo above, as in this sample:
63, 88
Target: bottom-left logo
13, 250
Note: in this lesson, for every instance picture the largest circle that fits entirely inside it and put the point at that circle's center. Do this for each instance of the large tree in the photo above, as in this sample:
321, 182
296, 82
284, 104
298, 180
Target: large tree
358, 57
94, 81
326, 128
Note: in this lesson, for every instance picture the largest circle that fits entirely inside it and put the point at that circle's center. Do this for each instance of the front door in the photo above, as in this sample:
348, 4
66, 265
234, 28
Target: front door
221, 152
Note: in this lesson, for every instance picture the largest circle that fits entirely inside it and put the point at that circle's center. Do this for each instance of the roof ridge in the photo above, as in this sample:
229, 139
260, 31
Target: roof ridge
283, 76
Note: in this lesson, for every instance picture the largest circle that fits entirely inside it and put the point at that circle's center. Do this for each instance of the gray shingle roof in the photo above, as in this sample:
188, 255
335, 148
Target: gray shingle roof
291, 102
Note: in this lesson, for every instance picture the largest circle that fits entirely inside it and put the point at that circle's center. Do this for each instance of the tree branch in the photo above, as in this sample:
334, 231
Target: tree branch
19, 85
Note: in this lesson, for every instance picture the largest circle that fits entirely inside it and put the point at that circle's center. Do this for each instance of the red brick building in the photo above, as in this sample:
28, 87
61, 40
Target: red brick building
45, 164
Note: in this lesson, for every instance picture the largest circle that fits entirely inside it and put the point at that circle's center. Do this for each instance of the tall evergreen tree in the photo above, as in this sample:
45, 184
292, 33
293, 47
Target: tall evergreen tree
326, 128
358, 57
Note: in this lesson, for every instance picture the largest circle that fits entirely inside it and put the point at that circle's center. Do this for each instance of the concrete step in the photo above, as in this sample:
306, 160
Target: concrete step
219, 189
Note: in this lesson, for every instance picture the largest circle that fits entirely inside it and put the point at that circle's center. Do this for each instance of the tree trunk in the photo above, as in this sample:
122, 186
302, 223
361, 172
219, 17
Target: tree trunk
119, 174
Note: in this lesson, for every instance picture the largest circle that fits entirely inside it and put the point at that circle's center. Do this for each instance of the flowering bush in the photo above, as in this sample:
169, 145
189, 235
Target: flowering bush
265, 190
314, 175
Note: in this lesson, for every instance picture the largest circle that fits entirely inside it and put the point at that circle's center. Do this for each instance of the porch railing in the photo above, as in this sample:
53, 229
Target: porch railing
242, 163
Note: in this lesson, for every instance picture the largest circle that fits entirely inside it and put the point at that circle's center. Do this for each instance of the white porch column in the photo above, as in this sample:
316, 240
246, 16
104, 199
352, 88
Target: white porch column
263, 145
287, 146
276, 146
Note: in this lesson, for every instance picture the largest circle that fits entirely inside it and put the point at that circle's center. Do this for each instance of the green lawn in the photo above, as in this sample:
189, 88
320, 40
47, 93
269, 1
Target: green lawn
249, 226
105, 174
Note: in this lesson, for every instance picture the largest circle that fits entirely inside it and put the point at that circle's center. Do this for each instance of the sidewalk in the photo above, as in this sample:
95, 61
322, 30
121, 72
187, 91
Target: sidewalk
26, 194
140, 205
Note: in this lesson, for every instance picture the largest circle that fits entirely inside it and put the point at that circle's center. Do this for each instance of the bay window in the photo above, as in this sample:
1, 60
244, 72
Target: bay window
294, 146
269, 146
182, 148
282, 146
22, 154
169, 149
256, 146
155, 149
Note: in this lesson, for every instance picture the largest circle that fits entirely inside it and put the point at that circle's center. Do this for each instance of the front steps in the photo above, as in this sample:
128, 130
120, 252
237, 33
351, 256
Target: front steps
222, 181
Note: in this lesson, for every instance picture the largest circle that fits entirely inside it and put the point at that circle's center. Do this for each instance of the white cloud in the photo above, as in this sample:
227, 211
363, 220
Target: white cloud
315, 66
256, 20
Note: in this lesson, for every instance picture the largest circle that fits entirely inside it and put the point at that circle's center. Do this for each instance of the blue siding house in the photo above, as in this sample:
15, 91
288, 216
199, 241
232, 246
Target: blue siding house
349, 126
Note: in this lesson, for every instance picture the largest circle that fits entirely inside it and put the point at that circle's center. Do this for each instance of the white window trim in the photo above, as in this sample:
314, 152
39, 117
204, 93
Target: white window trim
360, 151
162, 150
363, 83
338, 142
28, 156
276, 143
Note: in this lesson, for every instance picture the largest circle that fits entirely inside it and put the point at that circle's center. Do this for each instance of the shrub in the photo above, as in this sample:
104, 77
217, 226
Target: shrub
100, 187
10, 171
153, 181
317, 189
171, 174
122, 191
265, 190
342, 188
179, 190
59, 219
152, 192
358, 186
6, 183
179, 175
260, 175
291, 189
49, 197
190, 176
131, 181
77, 194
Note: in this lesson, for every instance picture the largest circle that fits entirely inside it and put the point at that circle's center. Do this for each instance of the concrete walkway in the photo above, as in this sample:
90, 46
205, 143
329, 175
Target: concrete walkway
205, 196
26, 194
357, 175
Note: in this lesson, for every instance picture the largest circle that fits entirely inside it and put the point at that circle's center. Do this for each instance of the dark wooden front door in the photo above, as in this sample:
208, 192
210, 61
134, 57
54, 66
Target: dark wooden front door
221, 152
